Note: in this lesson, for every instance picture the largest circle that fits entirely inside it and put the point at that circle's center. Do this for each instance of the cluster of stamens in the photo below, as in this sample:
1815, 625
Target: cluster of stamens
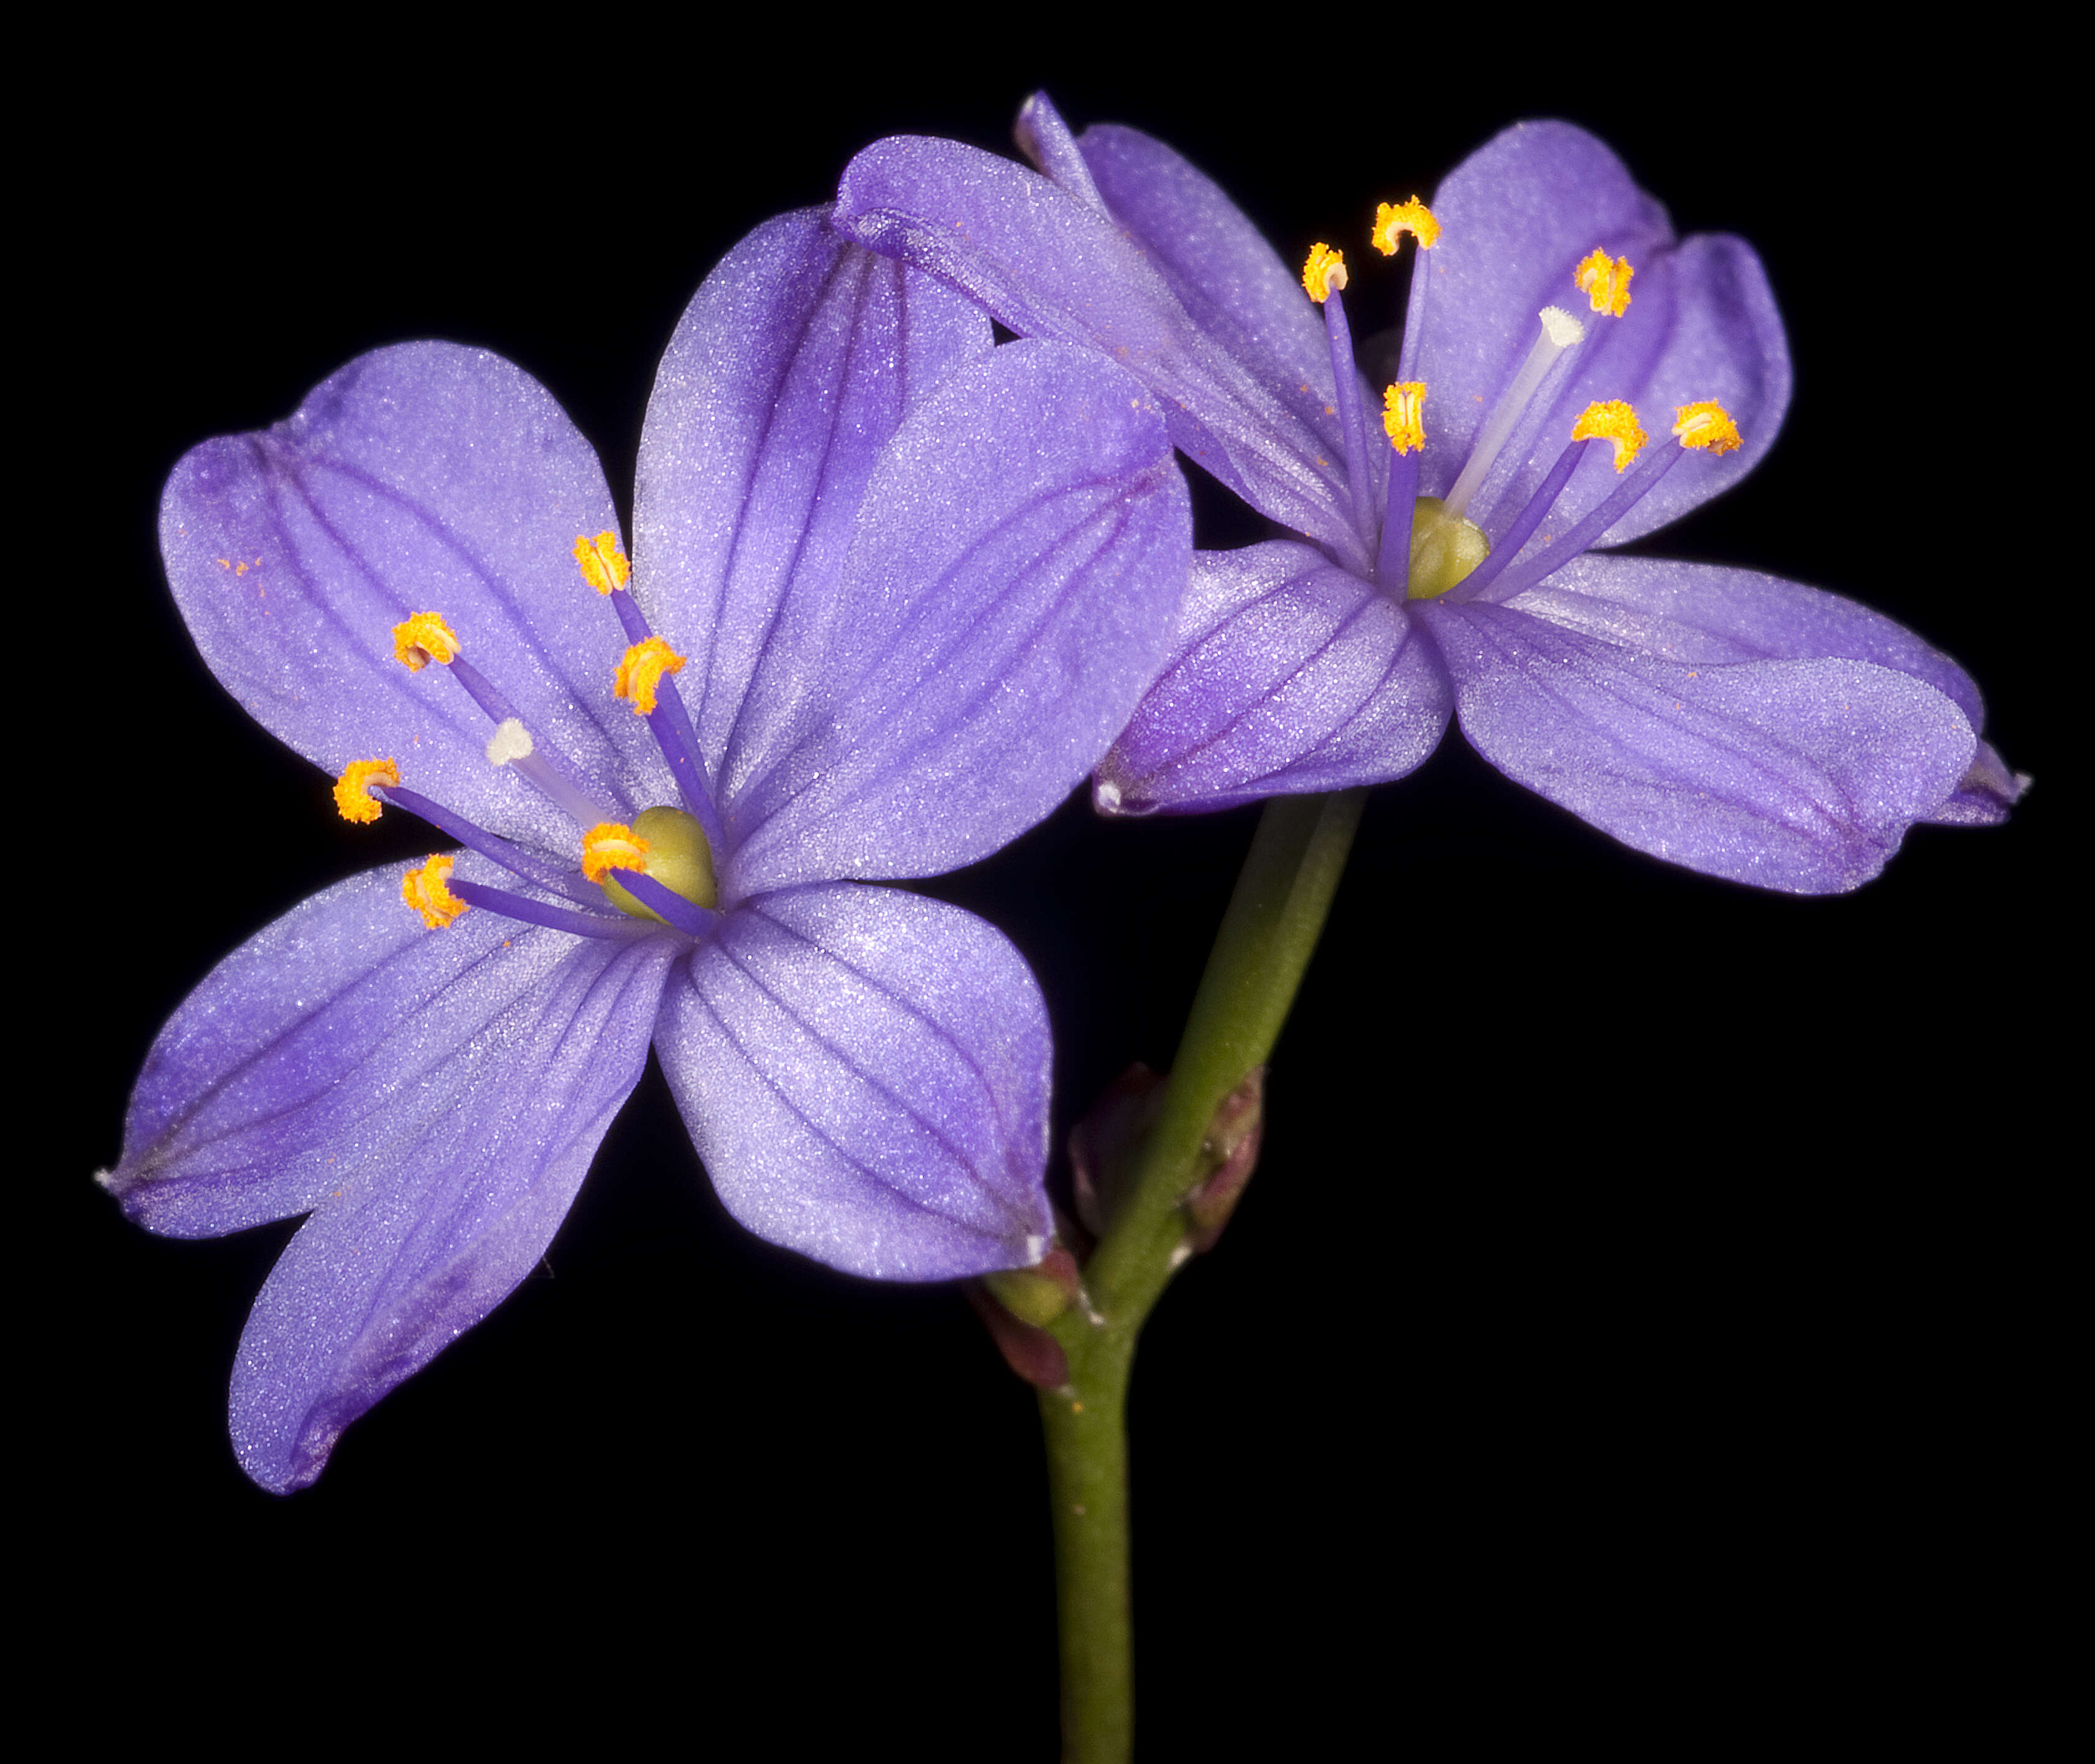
657, 869
1426, 545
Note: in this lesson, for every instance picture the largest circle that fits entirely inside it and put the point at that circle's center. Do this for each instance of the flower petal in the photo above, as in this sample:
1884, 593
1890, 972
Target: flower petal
1988, 790
1795, 775
789, 372
329, 1042
1048, 265
1517, 215
865, 1073
1290, 675
1020, 554
1701, 612
424, 477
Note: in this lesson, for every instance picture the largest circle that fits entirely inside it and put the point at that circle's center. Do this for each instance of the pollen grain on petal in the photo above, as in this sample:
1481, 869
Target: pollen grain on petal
1403, 416
424, 637
424, 889
604, 565
1605, 281
1707, 425
611, 845
1393, 220
1614, 420
1324, 273
640, 670
353, 799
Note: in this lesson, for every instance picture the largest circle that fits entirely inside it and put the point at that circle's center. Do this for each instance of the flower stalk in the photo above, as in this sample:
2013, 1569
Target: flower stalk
1276, 915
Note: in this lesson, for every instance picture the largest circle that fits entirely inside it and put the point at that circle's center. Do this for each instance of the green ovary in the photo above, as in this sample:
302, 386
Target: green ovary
1443, 551
677, 857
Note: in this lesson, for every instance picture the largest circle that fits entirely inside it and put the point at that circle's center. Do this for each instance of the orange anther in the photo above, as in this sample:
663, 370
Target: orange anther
1403, 415
1394, 219
1707, 425
1605, 281
640, 670
604, 565
1324, 273
1614, 421
424, 889
424, 637
609, 846
353, 799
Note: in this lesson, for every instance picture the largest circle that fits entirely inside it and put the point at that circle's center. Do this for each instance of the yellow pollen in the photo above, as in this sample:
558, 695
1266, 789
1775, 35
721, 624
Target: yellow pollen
1403, 415
604, 565
608, 846
1324, 273
424, 637
1614, 421
353, 800
1707, 425
1394, 219
640, 670
424, 889
1605, 281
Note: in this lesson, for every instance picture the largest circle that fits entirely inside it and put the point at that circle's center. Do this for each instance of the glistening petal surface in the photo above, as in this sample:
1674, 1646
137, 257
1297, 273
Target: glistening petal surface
865, 1073
792, 367
1009, 594
446, 1200
1289, 675
1801, 776
327, 1043
1517, 215
1049, 265
424, 477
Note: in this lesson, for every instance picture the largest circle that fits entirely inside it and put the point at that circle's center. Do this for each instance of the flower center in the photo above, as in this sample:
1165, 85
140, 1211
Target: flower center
659, 869
1425, 547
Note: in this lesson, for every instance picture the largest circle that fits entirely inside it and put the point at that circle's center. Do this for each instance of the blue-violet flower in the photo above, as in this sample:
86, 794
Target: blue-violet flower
893, 591
1722, 719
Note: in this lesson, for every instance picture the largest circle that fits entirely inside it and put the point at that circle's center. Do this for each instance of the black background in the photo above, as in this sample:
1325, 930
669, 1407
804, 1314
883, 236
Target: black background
1640, 1323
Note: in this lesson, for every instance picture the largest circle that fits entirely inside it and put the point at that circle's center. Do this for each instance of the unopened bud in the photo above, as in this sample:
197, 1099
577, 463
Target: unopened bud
1038, 1294
1229, 1154
1103, 1145
1029, 1350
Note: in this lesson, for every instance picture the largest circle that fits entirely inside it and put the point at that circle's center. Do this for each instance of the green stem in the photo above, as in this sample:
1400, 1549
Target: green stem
1267, 936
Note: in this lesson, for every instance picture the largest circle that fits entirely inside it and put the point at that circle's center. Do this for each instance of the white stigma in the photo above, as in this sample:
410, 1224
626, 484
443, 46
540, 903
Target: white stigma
1560, 331
511, 741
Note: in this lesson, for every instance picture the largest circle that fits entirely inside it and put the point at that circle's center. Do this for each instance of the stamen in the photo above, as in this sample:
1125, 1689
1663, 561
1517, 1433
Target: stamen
640, 670
553, 918
671, 907
555, 878
604, 567
424, 891
1613, 420
424, 637
1707, 427
1403, 415
1605, 281
353, 800
1324, 271
1392, 220
1560, 331
610, 846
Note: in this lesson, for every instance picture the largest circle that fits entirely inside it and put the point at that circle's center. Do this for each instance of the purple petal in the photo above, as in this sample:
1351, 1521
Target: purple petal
1019, 559
424, 477
434, 1097
1988, 790
1699, 612
794, 364
1231, 282
1290, 675
1795, 775
1517, 217
1048, 265
865, 1074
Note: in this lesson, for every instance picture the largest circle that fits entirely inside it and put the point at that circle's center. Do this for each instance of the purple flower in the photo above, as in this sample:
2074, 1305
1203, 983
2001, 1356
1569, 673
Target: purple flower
913, 584
1722, 719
